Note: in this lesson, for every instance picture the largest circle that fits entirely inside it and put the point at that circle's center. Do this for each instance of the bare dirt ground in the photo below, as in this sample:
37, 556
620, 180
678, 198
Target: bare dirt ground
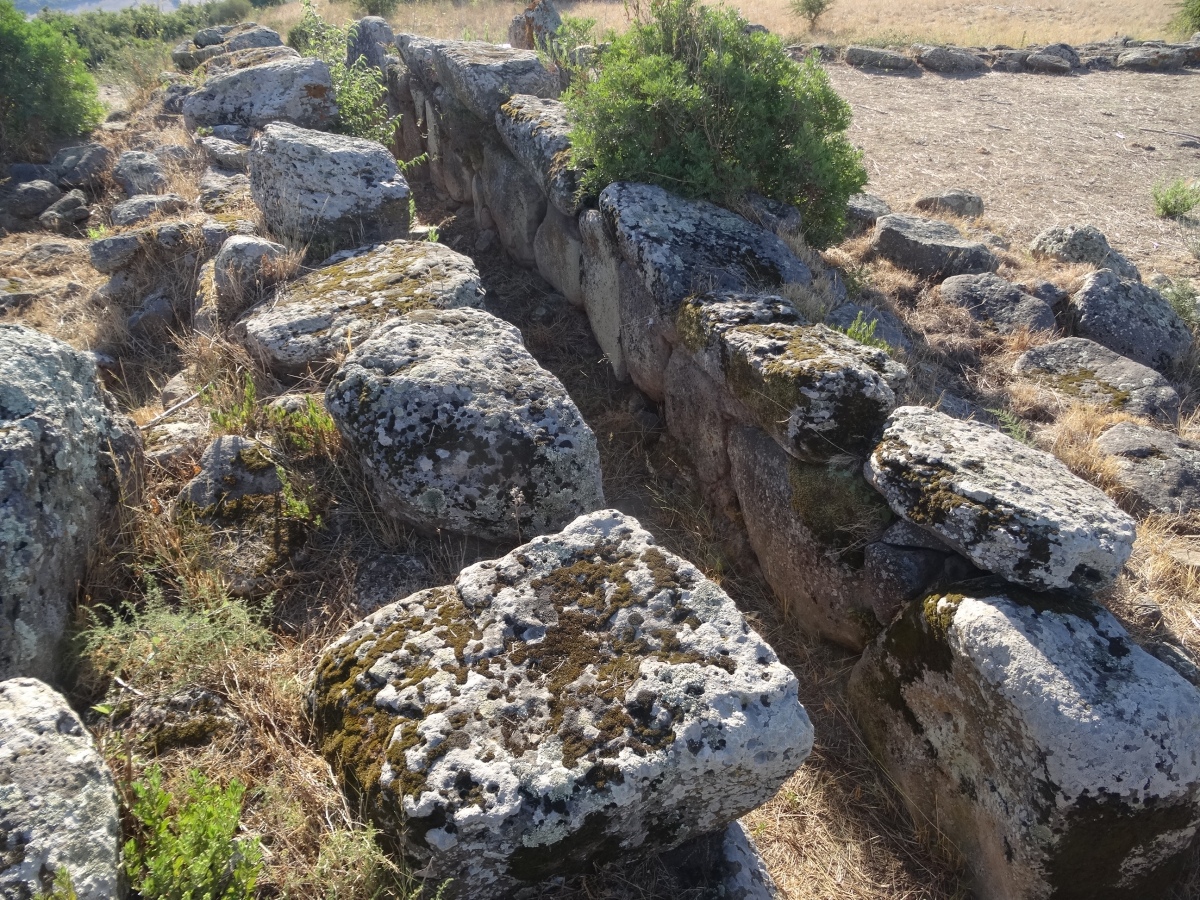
1040, 150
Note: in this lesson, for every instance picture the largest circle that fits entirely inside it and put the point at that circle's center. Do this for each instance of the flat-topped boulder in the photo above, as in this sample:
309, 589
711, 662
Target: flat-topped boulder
1081, 369
244, 59
1152, 59
1081, 244
1157, 471
949, 60
311, 320
140, 207
287, 90
227, 155
1131, 318
330, 189
989, 298
139, 172
536, 131
955, 201
484, 76
877, 58
1060, 755
222, 39
585, 698
460, 428
930, 248
1009, 508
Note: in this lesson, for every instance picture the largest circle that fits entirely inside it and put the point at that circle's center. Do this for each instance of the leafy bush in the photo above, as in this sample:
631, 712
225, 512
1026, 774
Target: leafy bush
689, 101
191, 854
864, 332
811, 10
46, 92
1189, 17
1174, 199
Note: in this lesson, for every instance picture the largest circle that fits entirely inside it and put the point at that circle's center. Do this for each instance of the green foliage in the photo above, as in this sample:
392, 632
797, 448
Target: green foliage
1176, 198
1188, 20
306, 430
382, 8
46, 92
1182, 296
864, 332
1012, 425
689, 101
63, 888
240, 415
810, 10
192, 853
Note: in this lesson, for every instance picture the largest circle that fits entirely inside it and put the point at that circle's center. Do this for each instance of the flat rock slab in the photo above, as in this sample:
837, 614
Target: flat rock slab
864, 210
57, 800
1131, 318
1084, 370
209, 43
1081, 244
878, 58
955, 201
1030, 726
324, 313
1158, 471
949, 60
1010, 509
225, 154
484, 76
930, 248
1152, 59
537, 131
142, 206
989, 298
290, 90
585, 698
460, 428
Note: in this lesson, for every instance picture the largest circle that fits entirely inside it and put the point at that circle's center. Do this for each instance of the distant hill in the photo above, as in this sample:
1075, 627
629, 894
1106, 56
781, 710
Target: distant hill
33, 7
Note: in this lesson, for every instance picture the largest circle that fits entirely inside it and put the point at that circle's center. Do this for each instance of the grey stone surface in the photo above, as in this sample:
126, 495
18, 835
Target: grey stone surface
243, 268
1081, 244
140, 207
600, 283
1030, 726
602, 698
484, 76
955, 201
949, 60
1084, 370
1152, 59
1047, 63
222, 189
58, 804
930, 248
990, 298
31, 198
1157, 471
244, 59
112, 253
534, 26
340, 191
139, 172
558, 253
514, 200
224, 39
1011, 509
232, 468
888, 327
459, 428
536, 132
290, 90
1131, 318
58, 487
878, 58
83, 166
372, 39
864, 210
225, 154
66, 213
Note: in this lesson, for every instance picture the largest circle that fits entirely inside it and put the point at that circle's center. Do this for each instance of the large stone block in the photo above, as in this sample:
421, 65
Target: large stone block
289, 90
930, 248
558, 252
515, 201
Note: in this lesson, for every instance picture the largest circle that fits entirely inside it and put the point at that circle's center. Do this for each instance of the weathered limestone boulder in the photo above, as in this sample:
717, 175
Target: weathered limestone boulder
1082, 244
139, 172
536, 132
955, 201
1157, 471
243, 268
484, 76
514, 201
140, 207
930, 248
31, 198
85, 166
1082, 369
864, 210
243, 59
222, 190
59, 437
372, 39
212, 42
535, 26
58, 803
989, 298
290, 90
949, 60
66, 213
877, 58
225, 154
1009, 508
340, 191
1060, 756
1152, 59
119, 251
461, 429
596, 698
558, 253
1047, 63
1131, 318
337, 307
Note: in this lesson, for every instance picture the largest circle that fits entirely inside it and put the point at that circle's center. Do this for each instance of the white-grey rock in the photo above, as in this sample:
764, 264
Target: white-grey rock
930, 248
1152, 59
213, 42
1047, 63
955, 201
329, 188
225, 154
243, 268
990, 298
139, 172
1157, 471
290, 90
537, 131
949, 60
535, 26
483, 76
514, 200
140, 207
877, 58
888, 326
597, 697
461, 429
221, 190
1009, 508
371, 39
58, 804
176, 443
1131, 318
558, 252
1060, 756
1081, 244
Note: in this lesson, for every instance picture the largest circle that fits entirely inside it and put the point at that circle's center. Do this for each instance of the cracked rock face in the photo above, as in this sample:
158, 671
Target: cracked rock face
1159, 471
930, 248
537, 131
483, 76
1010, 509
461, 429
58, 805
586, 697
1131, 318
314, 318
289, 90
1060, 755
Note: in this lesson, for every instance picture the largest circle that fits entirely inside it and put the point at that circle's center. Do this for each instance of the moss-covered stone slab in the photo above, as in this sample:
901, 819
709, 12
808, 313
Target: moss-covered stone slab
325, 313
1060, 756
1011, 509
585, 698
536, 131
460, 428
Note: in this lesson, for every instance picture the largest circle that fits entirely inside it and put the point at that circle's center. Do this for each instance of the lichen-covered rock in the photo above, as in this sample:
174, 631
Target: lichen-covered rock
949, 60
1009, 508
955, 201
372, 39
1081, 244
140, 207
243, 268
1060, 755
212, 42
1157, 471
139, 172
337, 307
930, 248
1131, 318
60, 437
877, 58
888, 326
484, 76
84, 166
289, 90
226, 154
558, 253
990, 298
58, 804
460, 428
585, 698
243, 59
222, 190
333, 189
537, 131
1084, 370
231, 469
1151, 59
1047, 63
535, 26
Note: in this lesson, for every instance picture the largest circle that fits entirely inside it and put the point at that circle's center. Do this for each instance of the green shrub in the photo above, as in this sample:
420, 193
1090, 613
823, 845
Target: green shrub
1184, 299
864, 332
190, 854
689, 101
376, 7
1189, 17
1174, 199
811, 10
46, 92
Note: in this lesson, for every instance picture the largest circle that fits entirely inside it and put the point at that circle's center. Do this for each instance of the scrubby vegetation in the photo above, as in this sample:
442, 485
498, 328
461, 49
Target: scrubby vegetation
1189, 16
688, 99
1175, 198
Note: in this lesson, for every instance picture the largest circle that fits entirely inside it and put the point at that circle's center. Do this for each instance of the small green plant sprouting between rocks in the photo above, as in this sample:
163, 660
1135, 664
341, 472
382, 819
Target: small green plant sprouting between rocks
1174, 199
186, 848
810, 10
1012, 425
864, 332
63, 888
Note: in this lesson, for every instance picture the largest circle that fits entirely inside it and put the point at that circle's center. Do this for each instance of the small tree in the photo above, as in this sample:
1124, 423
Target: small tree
811, 10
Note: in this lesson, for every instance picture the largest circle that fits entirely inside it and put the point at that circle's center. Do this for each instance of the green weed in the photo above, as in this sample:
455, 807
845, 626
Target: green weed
1174, 199
864, 332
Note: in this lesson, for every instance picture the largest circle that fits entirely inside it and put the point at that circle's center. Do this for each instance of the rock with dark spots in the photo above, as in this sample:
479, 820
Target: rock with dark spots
536, 132
176, 444
1084, 370
1011, 509
140, 207
225, 154
288, 90
930, 248
111, 253
1157, 471
1131, 318
85, 166
188, 55
989, 298
1081, 244
1059, 754
878, 58
58, 804
243, 268
1064, 52
864, 210
595, 696
239, 134
888, 327
484, 76
231, 469
1047, 63
221, 189
954, 201
1152, 59
66, 213
64, 452
514, 200
535, 26
311, 320
949, 60
139, 172
459, 428
30, 199
371, 39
